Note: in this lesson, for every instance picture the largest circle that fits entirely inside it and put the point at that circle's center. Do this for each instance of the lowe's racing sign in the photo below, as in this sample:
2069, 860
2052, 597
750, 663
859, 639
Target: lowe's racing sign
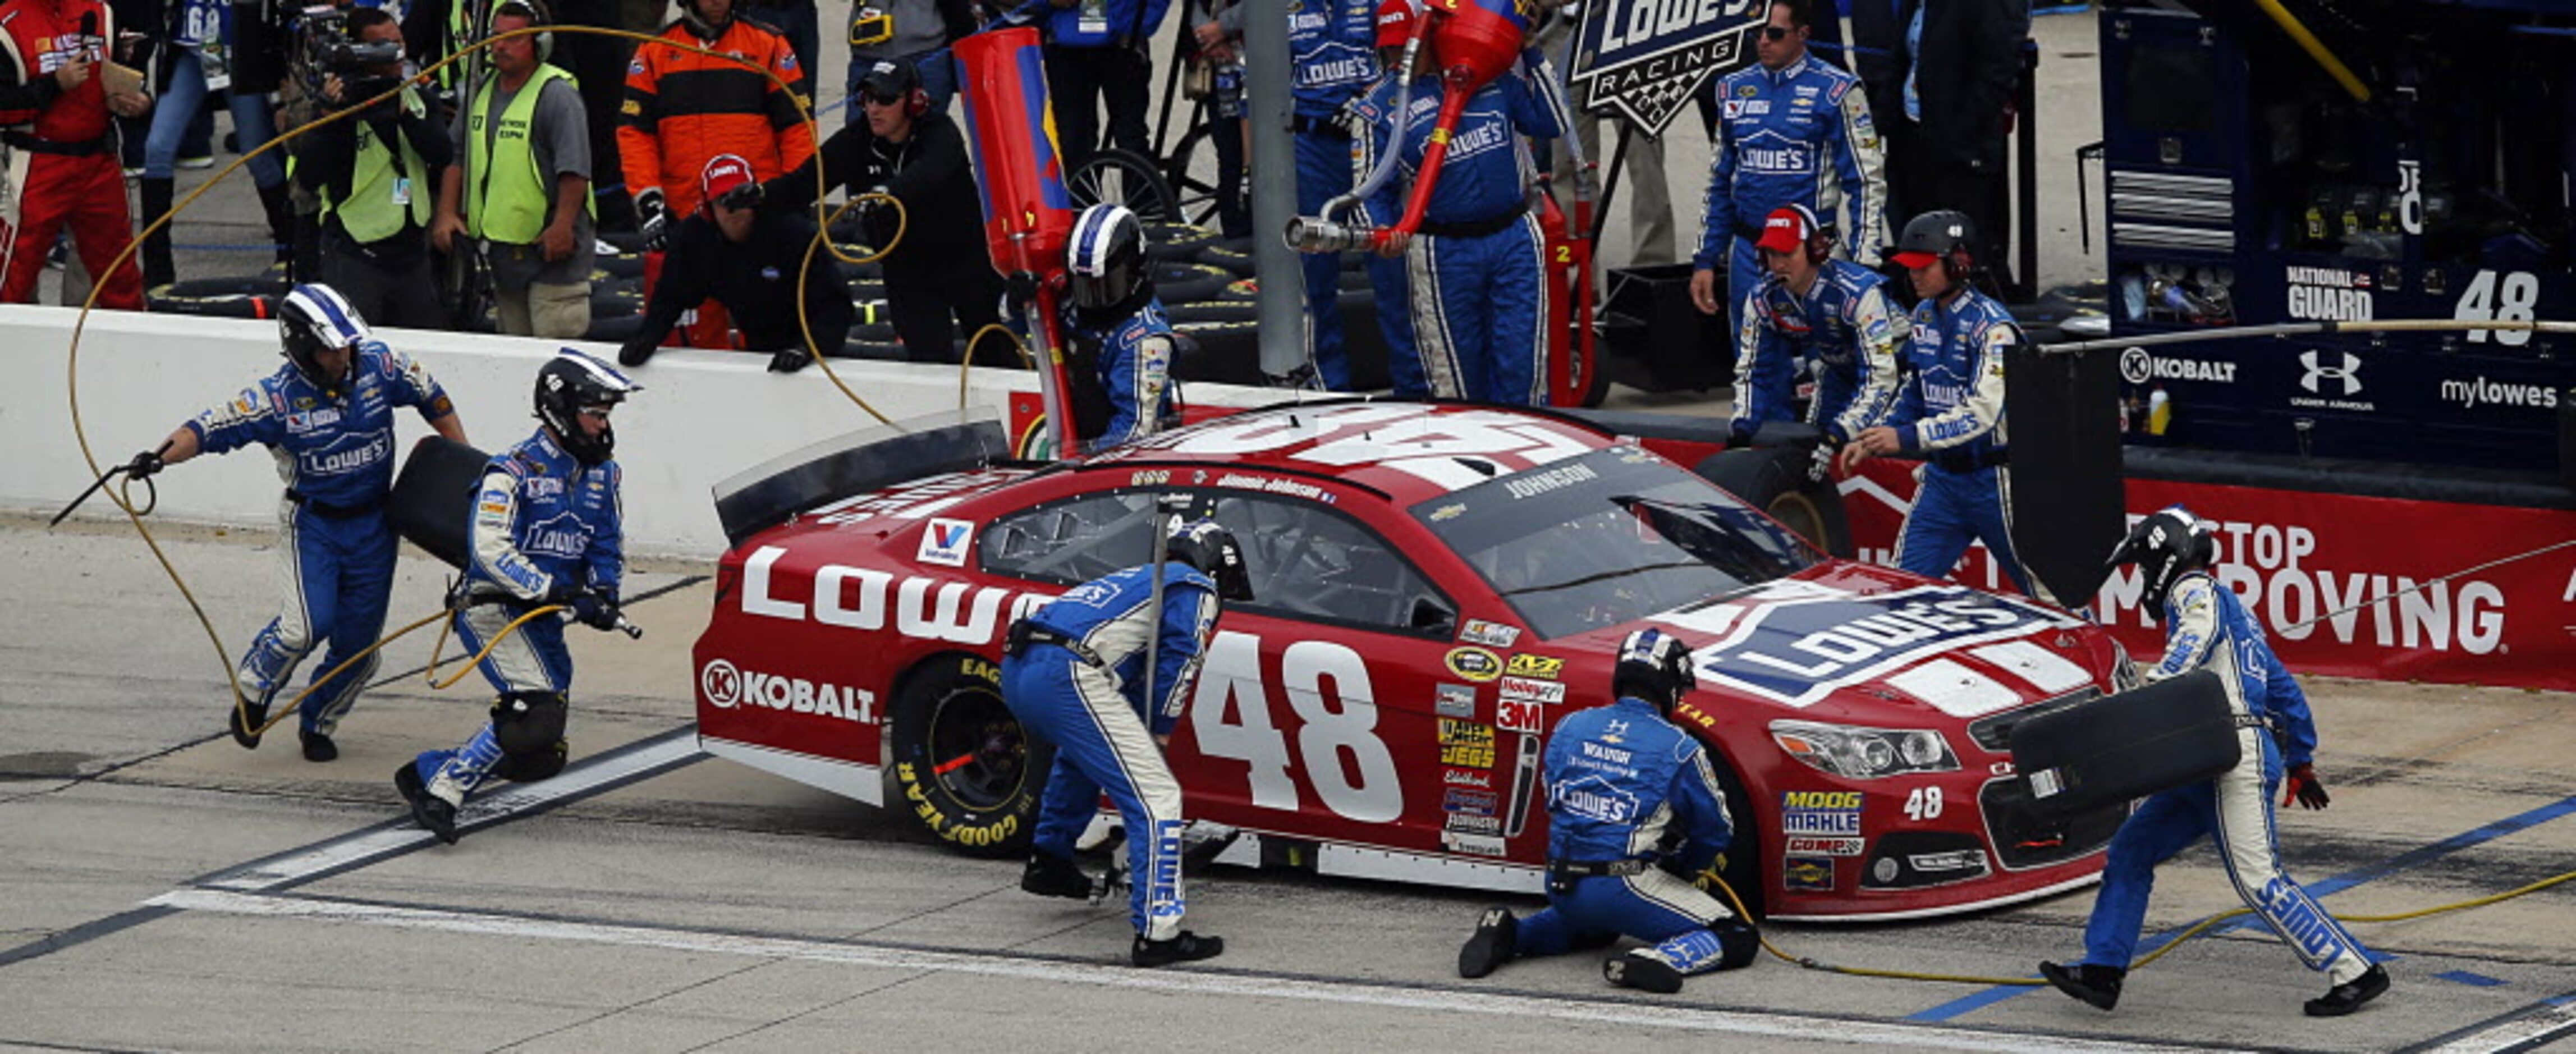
1644, 58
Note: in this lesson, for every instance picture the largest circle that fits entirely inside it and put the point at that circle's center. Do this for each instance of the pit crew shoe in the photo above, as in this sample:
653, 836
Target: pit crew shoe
2097, 985
1188, 947
243, 720
428, 810
317, 747
1642, 970
2347, 997
1049, 875
1496, 935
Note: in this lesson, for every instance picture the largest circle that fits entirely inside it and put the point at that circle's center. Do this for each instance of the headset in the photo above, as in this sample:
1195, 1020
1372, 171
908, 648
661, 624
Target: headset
532, 10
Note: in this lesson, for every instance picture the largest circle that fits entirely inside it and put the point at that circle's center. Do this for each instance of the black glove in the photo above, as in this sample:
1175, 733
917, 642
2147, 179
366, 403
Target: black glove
144, 464
653, 219
637, 350
2304, 788
1821, 466
594, 610
789, 360
746, 196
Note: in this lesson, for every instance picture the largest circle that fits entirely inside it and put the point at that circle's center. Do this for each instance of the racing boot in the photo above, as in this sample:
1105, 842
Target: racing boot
244, 720
430, 811
1049, 875
1642, 970
2100, 985
1188, 947
317, 746
2347, 997
1496, 934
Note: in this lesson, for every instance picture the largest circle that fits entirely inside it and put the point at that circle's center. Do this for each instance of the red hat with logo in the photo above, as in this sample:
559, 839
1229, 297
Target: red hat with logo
1787, 229
1394, 23
724, 173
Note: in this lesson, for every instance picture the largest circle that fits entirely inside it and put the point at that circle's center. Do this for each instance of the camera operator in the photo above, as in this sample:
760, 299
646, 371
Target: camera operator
375, 175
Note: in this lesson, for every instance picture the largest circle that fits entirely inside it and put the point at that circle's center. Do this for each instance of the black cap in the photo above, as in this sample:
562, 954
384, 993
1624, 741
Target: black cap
890, 79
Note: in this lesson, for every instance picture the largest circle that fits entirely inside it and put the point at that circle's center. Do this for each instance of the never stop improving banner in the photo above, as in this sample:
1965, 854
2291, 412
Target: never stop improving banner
2293, 558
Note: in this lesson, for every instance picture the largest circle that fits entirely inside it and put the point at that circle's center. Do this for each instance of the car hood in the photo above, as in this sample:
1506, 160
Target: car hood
1820, 646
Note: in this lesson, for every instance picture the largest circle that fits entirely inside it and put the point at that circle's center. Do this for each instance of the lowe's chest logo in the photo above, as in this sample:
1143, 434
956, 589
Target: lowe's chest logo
347, 455
561, 536
1800, 642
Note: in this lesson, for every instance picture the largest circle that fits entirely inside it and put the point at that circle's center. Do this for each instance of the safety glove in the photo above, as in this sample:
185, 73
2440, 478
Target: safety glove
789, 360
653, 219
144, 464
2304, 787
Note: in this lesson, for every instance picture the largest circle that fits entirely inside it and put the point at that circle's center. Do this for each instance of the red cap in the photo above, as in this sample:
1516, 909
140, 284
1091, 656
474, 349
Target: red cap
1394, 23
1915, 261
723, 173
1786, 229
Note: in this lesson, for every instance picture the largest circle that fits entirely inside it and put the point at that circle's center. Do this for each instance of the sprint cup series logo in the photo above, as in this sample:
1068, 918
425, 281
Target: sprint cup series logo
1644, 58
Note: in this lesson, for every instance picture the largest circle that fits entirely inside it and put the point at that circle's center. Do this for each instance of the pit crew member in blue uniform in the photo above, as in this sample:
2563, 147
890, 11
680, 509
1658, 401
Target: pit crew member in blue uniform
1370, 130
1950, 408
2206, 627
1478, 264
1076, 673
1831, 314
1117, 324
328, 418
1619, 778
1332, 59
547, 529
1793, 131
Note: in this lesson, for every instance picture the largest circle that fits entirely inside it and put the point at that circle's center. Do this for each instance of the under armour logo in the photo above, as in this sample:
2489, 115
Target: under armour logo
2344, 373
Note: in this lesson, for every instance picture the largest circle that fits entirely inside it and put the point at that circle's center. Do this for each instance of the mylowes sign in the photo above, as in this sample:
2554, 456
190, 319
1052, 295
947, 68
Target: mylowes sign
1644, 58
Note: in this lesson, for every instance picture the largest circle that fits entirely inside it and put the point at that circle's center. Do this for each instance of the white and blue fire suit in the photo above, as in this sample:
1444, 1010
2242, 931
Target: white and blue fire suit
1842, 328
1950, 409
1332, 49
1619, 777
541, 520
2206, 627
335, 453
1081, 683
1370, 134
1798, 135
1478, 264
1135, 359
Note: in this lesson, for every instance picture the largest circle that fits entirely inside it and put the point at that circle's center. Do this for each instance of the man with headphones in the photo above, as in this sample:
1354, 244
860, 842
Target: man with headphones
1950, 408
733, 253
914, 153
1831, 314
525, 143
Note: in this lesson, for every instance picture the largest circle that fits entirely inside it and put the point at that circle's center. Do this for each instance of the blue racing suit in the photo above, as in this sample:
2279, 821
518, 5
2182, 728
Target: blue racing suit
336, 456
1080, 682
1370, 133
1135, 359
1950, 409
1842, 327
1332, 48
1618, 777
2206, 627
543, 525
1477, 264
1798, 135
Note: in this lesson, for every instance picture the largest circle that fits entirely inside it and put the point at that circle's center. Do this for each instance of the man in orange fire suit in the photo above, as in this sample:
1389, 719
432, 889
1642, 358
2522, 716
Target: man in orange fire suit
683, 108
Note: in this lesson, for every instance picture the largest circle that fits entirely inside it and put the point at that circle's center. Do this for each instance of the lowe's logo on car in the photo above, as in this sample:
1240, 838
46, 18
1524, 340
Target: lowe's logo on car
727, 686
862, 598
1796, 643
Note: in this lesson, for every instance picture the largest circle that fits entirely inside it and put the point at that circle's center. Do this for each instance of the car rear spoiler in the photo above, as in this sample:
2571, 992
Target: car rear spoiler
768, 494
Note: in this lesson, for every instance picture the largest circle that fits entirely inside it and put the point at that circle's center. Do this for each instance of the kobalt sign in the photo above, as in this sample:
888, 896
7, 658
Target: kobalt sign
727, 686
1644, 58
2139, 366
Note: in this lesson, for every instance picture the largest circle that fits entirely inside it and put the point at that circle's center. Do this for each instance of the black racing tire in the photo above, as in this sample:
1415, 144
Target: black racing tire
1233, 254
612, 329
1242, 290
879, 351
1242, 311
1180, 282
961, 763
1743, 869
621, 265
1169, 242
252, 296
1229, 353
1775, 480
1115, 176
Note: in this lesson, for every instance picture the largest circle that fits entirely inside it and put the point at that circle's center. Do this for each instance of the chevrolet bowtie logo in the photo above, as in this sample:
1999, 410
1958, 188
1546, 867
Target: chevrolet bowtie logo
2318, 373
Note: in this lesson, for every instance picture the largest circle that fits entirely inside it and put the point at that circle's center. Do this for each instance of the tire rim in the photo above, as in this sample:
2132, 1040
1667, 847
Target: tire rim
1799, 514
977, 750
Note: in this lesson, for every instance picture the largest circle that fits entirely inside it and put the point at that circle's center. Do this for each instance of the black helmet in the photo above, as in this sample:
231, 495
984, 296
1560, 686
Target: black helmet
1944, 236
1210, 548
314, 318
570, 383
1655, 667
1111, 277
2164, 546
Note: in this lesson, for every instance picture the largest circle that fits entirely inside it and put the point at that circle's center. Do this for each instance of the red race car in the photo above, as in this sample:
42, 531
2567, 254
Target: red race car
1434, 586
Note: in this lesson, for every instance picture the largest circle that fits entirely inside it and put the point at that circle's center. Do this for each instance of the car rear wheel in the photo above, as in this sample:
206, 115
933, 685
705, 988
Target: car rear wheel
962, 764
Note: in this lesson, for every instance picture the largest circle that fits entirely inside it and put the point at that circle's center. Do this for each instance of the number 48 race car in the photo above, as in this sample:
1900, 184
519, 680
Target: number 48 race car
1433, 588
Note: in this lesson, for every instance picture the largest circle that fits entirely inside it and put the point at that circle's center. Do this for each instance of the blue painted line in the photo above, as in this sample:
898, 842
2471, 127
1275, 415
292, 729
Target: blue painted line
2473, 980
2338, 883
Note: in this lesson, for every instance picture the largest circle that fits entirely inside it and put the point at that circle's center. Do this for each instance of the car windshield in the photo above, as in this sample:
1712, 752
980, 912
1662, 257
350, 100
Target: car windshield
1608, 538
